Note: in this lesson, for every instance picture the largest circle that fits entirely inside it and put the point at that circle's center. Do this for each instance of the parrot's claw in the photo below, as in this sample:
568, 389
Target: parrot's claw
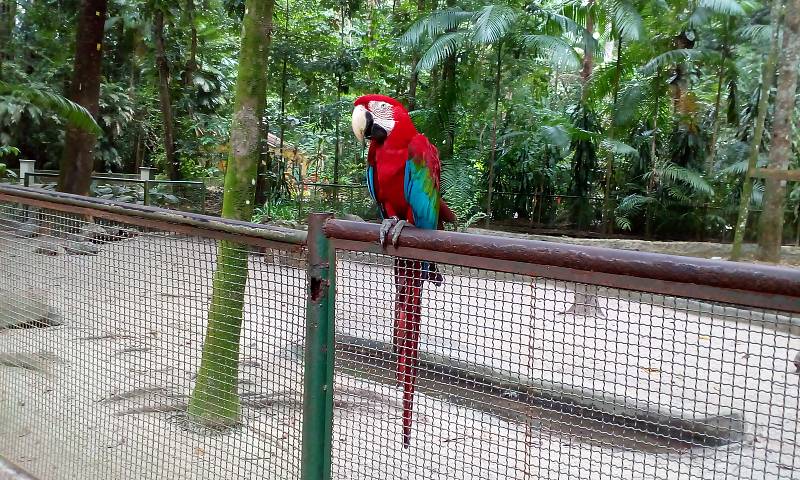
386, 226
396, 232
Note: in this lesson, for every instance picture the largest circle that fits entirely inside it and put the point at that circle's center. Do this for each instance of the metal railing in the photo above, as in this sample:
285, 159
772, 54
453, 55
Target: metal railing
536, 359
183, 195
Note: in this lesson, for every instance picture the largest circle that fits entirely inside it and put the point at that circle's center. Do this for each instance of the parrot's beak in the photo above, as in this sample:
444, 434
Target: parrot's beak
362, 122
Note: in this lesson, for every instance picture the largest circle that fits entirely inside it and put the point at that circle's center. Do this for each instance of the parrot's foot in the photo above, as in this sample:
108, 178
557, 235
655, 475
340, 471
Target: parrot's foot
393, 224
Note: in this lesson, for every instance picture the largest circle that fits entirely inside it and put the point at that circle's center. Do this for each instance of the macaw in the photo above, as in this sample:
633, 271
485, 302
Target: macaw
403, 175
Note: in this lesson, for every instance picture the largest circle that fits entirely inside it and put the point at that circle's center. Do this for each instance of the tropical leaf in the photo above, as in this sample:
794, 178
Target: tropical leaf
558, 24
73, 113
493, 22
555, 135
556, 51
620, 149
756, 33
444, 46
434, 24
671, 173
725, 7
627, 20
628, 207
670, 58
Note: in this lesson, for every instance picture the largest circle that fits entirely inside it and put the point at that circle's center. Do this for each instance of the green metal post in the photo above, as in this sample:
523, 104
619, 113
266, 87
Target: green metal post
318, 385
147, 192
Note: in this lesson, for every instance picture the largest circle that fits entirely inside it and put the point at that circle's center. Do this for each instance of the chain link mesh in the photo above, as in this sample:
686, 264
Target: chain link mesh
102, 325
101, 331
522, 377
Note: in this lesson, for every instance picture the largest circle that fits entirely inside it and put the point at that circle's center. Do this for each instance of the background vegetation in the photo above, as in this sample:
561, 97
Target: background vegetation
618, 116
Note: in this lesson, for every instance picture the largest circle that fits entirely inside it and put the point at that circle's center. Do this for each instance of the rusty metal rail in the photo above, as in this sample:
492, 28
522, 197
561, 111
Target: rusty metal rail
743, 284
152, 217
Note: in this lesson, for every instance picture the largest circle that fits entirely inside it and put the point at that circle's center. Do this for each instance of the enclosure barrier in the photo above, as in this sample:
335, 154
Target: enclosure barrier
184, 195
537, 360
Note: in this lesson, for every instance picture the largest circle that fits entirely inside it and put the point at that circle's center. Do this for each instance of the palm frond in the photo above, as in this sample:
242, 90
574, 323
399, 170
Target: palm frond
756, 33
629, 100
627, 19
493, 22
434, 24
669, 58
555, 135
724, 7
628, 207
692, 179
555, 50
444, 46
737, 168
558, 24
73, 113
620, 149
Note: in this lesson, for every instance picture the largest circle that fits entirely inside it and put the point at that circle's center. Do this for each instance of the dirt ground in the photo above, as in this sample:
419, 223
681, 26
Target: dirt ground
103, 395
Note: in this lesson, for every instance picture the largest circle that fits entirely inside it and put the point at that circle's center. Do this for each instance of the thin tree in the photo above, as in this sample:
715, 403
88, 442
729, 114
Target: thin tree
8, 15
770, 231
78, 159
164, 96
215, 400
767, 78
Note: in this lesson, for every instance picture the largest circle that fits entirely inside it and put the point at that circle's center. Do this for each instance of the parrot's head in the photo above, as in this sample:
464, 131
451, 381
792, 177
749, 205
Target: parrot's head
378, 118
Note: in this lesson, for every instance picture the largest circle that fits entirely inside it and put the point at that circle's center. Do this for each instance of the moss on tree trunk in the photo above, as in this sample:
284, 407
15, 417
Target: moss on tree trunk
767, 77
770, 232
215, 400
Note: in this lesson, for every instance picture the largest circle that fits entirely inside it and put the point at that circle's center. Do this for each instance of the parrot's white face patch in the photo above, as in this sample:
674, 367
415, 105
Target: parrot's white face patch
359, 122
383, 115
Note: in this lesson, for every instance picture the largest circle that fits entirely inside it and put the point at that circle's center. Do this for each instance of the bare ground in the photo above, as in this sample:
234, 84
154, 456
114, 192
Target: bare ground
103, 395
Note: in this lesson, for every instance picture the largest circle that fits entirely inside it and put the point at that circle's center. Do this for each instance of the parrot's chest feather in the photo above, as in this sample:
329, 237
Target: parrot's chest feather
390, 175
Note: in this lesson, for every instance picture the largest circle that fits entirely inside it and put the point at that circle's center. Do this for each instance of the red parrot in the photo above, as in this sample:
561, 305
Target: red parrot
403, 176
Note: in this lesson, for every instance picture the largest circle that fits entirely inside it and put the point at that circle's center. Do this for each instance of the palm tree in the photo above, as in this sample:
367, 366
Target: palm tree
453, 29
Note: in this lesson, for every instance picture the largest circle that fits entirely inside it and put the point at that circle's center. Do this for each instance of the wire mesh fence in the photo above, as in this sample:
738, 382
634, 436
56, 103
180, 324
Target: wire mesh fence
531, 377
181, 195
523, 369
102, 325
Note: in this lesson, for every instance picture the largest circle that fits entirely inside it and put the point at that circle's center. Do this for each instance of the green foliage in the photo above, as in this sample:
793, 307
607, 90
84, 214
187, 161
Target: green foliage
648, 105
45, 100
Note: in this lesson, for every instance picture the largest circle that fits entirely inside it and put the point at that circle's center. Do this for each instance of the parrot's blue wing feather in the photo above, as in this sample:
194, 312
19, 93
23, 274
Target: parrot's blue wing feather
422, 182
421, 195
371, 187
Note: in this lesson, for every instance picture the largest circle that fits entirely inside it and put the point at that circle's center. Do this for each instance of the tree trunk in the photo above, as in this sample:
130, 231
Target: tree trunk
770, 233
608, 205
493, 153
173, 166
415, 56
76, 164
448, 103
447, 100
8, 15
648, 221
588, 51
337, 151
767, 77
191, 64
412, 82
712, 146
215, 401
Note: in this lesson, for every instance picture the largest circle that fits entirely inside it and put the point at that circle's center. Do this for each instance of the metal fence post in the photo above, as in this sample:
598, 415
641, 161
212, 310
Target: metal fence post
318, 373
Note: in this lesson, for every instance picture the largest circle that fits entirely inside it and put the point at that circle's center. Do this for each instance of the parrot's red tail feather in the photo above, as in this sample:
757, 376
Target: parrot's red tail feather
446, 214
406, 335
